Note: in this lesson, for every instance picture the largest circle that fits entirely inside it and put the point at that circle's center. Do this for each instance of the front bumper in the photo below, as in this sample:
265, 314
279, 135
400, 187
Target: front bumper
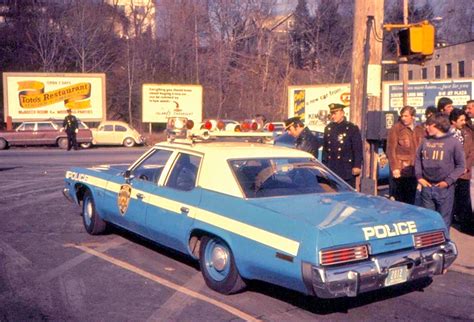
67, 195
353, 279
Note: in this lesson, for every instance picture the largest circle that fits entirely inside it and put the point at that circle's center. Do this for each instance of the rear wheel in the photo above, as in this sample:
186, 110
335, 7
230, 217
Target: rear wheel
86, 145
62, 143
93, 224
128, 142
218, 266
3, 144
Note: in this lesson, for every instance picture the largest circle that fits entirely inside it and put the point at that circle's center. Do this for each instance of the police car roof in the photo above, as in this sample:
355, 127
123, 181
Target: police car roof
236, 150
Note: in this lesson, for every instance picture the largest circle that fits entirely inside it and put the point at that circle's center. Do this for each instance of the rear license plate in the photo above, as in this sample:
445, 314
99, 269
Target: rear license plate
396, 275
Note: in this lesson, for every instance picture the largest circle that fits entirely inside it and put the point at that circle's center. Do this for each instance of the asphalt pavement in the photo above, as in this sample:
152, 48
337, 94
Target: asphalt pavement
465, 243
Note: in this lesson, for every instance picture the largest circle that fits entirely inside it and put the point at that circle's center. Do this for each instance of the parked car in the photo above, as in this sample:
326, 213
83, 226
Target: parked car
253, 211
43, 133
116, 133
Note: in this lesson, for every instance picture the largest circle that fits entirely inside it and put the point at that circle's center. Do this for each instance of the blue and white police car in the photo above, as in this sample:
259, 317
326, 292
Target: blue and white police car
248, 210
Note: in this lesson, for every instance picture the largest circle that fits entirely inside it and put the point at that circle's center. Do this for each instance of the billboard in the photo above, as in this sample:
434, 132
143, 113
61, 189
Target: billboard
422, 94
40, 96
160, 101
310, 102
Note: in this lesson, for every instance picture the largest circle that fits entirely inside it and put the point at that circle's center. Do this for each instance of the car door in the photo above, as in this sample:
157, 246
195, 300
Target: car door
46, 133
128, 201
27, 134
174, 199
105, 134
119, 134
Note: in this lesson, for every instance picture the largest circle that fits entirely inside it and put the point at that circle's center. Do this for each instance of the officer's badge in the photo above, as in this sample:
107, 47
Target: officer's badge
124, 198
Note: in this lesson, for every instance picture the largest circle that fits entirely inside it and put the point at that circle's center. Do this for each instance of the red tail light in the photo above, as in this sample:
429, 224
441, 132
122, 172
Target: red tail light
343, 255
429, 239
220, 125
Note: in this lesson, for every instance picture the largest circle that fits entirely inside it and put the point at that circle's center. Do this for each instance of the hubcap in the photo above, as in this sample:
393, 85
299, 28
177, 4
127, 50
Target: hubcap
219, 258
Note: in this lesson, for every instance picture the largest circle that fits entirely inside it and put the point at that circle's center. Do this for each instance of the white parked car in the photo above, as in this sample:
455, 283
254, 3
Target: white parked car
116, 133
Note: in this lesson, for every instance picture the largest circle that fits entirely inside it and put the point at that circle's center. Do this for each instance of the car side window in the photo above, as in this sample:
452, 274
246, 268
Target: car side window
27, 127
184, 172
150, 169
120, 128
45, 127
108, 128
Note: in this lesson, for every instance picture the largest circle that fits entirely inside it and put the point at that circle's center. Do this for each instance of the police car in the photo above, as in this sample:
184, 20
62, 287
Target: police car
248, 210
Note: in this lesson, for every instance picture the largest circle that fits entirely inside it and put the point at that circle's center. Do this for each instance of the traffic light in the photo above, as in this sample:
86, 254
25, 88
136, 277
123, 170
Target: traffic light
417, 42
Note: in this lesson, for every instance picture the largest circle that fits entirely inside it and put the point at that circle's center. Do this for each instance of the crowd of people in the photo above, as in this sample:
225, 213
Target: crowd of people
430, 163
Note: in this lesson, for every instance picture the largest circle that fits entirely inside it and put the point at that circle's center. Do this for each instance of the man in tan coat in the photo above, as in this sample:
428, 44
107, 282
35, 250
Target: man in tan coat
403, 140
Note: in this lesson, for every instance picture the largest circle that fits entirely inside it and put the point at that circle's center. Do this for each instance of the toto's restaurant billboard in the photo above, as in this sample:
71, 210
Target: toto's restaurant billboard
40, 96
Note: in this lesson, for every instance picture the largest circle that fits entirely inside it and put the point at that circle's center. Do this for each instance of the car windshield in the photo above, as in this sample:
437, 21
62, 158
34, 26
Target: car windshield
270, 177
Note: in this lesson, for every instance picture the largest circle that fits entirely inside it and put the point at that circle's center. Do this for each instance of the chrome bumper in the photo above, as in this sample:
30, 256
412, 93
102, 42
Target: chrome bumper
353, 279
67, 195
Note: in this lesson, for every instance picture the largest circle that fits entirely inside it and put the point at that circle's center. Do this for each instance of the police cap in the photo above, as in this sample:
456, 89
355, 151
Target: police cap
335, 106
292, 121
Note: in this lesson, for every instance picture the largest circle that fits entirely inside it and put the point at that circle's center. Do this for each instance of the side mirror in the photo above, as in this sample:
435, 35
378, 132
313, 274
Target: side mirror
128, 175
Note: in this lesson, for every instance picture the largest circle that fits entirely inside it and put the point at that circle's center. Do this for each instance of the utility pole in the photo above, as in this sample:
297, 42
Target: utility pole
405, 66
366, 80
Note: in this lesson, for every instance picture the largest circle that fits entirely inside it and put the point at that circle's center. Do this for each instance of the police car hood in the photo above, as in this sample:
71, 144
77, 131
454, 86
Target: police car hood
110, 169
347, 218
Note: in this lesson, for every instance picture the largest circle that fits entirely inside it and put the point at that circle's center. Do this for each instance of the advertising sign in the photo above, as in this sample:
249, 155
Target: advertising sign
40, 96
423, 94
310, 102
161, 101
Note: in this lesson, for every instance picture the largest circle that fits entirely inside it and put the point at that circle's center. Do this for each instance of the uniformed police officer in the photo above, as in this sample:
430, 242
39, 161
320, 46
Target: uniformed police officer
342, 147
71, 126
305, 140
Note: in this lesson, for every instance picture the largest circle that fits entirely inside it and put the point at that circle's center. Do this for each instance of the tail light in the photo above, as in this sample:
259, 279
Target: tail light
343, 255
429, 239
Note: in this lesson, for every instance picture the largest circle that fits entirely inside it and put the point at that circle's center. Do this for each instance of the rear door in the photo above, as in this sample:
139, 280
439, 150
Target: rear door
46, 133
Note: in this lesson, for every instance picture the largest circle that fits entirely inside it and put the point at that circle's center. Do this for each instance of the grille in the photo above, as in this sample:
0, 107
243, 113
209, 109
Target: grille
343, 255
429, 239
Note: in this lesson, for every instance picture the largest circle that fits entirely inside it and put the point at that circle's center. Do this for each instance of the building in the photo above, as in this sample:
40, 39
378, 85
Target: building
454, 61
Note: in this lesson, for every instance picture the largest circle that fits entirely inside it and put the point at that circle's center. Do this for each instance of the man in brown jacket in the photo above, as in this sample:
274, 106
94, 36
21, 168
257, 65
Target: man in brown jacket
462, 202
403, 140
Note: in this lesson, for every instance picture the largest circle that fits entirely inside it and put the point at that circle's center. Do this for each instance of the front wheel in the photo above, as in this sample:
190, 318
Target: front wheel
3, 144
86, 145
93, 224
128, 142
218, 266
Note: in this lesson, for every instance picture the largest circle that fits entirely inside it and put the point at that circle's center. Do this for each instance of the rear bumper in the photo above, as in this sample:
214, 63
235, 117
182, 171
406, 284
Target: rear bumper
353, 279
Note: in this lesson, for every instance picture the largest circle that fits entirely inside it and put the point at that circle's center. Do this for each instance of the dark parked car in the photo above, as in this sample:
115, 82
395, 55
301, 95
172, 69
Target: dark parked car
43, 133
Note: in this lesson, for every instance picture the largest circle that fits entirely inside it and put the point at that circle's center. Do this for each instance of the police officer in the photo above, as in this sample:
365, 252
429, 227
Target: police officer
342, 148
305, 140
71, 126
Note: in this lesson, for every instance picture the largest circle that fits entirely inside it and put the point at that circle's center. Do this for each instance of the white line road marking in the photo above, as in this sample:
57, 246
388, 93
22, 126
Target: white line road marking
167, 283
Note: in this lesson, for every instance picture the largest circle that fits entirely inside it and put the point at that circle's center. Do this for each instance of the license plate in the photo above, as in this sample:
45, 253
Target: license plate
396, 275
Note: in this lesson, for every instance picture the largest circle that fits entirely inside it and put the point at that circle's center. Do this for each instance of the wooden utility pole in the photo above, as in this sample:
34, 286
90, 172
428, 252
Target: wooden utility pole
366, 80
405, 66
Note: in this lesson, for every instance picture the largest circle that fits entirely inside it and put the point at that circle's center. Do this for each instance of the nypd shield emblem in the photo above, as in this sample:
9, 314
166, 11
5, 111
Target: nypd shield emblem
124, 198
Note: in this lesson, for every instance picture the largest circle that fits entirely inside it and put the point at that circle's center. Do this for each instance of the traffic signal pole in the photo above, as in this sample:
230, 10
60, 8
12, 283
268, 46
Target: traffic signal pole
366, 80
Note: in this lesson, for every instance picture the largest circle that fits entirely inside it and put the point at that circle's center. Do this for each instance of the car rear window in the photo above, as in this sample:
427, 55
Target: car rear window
45, 127
120, 128
270, 177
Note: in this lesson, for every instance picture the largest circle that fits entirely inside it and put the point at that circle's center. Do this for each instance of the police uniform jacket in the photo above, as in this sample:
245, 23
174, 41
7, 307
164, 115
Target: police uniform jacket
402, 143
308, 142
342, 149
70, 123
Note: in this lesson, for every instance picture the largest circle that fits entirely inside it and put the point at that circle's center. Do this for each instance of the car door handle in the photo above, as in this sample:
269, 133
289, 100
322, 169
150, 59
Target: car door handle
184, 210
140, 195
